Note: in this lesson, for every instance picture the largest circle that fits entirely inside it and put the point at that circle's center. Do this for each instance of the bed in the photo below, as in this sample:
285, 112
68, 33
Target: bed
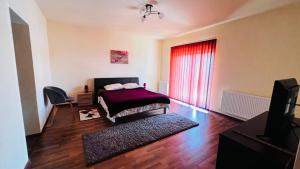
125, 102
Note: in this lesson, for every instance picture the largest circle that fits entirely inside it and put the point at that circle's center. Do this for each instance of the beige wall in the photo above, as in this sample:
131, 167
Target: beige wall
79, 54
251, 52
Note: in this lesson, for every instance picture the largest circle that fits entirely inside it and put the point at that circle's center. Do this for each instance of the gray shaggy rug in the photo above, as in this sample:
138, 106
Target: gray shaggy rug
104, 144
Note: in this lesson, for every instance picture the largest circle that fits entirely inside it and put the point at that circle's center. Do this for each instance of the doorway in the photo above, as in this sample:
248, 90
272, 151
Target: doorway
25, 72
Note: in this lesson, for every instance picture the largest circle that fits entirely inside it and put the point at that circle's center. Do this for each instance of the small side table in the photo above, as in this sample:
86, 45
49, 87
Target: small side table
85, 99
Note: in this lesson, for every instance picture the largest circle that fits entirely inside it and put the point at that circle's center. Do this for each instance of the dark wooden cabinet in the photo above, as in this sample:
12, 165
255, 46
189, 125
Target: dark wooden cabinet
242, 148
85, 99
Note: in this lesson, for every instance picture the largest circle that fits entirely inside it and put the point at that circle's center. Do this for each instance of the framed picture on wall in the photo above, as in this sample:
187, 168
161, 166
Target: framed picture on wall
118, 57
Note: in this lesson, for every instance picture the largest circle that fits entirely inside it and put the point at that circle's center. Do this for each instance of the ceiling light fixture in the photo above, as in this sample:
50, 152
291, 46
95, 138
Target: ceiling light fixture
147, 10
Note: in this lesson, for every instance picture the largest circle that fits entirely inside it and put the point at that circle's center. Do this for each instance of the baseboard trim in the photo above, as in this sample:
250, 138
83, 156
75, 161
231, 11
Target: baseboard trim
37, 134
28, 164
51, 117
33, 135
50, 114
227, 115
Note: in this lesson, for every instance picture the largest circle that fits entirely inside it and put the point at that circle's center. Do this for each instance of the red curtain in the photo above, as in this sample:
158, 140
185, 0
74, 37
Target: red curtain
191, 72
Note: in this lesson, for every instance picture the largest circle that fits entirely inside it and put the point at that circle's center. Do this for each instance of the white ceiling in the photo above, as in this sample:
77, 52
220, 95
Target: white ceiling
180, 15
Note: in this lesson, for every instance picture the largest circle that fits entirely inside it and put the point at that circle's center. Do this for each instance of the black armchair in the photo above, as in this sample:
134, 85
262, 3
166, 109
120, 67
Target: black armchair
58, 96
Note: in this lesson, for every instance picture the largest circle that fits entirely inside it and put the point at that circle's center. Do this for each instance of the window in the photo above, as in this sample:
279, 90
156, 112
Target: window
191, 72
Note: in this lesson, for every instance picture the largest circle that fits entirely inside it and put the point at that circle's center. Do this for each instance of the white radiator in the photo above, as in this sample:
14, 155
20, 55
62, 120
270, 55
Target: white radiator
243, 106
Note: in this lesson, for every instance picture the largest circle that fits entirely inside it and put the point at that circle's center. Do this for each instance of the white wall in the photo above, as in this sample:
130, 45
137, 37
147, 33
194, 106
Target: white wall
13, 151
251, 52
32, 15
79, 54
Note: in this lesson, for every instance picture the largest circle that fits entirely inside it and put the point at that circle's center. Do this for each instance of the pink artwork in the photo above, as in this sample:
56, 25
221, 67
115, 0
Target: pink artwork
118, 57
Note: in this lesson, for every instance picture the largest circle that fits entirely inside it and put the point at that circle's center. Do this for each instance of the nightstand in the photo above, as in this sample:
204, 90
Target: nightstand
85, 99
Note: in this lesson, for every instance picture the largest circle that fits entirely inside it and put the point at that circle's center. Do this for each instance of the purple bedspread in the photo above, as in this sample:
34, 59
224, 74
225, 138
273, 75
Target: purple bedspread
119, 100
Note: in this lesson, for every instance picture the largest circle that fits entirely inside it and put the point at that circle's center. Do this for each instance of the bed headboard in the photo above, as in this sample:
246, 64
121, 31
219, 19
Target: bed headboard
99, 83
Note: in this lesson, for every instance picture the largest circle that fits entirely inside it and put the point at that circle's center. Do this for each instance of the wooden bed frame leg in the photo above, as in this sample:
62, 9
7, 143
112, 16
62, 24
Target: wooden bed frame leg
165, 110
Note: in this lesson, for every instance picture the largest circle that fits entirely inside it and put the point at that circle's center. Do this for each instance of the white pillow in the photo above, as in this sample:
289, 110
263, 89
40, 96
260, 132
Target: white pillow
115, 86
130, 86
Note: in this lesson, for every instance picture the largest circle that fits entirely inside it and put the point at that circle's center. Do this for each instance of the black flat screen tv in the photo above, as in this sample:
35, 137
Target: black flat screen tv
282, 107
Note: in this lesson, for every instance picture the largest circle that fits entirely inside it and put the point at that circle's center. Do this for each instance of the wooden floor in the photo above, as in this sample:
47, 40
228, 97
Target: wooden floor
60, 145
